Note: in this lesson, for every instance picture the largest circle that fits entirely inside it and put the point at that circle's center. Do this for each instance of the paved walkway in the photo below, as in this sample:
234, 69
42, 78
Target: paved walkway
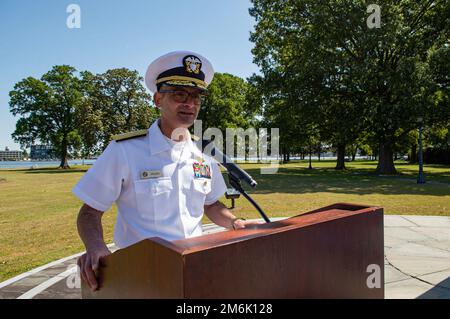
417, 257
417, 264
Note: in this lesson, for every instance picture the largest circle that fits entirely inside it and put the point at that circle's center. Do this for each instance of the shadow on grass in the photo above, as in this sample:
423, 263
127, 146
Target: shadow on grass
300, 180
410, 167
351, 181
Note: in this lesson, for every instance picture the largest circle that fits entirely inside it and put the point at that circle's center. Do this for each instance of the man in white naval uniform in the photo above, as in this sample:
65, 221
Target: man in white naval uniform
160, 181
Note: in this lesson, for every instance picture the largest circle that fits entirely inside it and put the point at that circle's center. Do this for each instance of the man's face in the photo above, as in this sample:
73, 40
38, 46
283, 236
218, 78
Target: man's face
178, 109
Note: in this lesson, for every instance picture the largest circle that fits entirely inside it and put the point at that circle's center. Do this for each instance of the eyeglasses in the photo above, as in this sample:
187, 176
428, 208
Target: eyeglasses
182, 96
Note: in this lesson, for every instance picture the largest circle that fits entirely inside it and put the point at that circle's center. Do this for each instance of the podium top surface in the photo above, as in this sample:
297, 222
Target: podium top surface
322, 215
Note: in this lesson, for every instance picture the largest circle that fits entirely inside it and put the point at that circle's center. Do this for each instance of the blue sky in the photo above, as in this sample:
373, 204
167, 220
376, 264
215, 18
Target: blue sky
34, 37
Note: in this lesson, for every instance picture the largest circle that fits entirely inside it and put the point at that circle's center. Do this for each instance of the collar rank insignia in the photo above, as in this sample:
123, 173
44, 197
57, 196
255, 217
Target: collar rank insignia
192, 64
201, 170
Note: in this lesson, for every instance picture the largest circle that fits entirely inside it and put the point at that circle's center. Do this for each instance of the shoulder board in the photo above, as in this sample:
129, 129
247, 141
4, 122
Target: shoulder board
129, 135
195, 138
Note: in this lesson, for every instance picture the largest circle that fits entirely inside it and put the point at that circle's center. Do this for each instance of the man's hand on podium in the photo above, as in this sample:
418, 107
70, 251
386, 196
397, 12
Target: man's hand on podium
220, 215
89, 264
239, 223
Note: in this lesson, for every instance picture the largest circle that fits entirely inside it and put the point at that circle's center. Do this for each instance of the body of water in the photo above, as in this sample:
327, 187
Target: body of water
41, 164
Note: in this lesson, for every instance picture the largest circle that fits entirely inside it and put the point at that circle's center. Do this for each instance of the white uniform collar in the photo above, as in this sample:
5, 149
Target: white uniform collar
156, 139
194, 149
158, 142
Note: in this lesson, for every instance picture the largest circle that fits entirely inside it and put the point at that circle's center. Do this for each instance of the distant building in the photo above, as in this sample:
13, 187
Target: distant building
8, 155
41, 152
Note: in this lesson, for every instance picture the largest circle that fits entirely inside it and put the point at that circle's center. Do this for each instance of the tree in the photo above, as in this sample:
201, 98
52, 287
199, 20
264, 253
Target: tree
79, 115
90, 115
323, 55
114, 102
302, 71
48, 107
228, 105
278, 109
120, 99
225, 105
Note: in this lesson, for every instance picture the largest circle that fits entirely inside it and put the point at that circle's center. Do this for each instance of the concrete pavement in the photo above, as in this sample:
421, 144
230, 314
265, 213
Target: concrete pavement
417, 256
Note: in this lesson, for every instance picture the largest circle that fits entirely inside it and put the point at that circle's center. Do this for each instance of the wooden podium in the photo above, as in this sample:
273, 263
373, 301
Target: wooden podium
324, 253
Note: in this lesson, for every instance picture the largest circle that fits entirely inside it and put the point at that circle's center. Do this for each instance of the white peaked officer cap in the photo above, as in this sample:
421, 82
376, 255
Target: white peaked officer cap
179, 68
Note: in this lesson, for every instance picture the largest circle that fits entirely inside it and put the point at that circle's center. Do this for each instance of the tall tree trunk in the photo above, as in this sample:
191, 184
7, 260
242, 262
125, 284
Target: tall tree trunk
340, 164
386, 160
354, 154
310, 155
64, 162
413, 158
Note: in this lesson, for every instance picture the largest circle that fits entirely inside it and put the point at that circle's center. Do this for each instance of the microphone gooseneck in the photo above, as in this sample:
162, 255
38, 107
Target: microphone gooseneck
235, 173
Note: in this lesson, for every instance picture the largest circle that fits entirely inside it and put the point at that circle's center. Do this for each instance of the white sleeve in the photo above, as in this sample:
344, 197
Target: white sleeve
218, 186
101, 185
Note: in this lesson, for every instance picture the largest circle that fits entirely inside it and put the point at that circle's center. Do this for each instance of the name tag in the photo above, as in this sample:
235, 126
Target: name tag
150, 174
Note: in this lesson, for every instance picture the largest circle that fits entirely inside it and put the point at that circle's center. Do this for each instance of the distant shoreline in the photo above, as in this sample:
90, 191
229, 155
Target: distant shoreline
41, 164
46, 164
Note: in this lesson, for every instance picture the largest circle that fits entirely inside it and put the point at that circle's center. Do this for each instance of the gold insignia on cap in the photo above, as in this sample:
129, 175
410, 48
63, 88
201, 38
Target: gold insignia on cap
192, 64
182, 80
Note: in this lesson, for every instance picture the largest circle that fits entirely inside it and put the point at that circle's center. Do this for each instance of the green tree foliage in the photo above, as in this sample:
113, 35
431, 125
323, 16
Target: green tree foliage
79, 114
320, 58
115, 102
232, 103
126, 103
47, 109
226, 105
90, 114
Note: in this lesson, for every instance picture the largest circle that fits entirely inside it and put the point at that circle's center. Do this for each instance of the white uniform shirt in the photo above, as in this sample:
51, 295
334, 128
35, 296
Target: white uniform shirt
168, 205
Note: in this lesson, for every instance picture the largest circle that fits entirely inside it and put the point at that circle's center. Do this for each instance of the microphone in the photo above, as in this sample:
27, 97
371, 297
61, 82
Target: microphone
233, 169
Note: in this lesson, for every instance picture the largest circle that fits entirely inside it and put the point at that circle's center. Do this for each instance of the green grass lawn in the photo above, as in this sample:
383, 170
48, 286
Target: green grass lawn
38, 212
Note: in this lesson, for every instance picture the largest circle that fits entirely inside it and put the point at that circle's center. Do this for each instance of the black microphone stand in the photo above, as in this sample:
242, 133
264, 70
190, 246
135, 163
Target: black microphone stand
235, 180
236, 184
